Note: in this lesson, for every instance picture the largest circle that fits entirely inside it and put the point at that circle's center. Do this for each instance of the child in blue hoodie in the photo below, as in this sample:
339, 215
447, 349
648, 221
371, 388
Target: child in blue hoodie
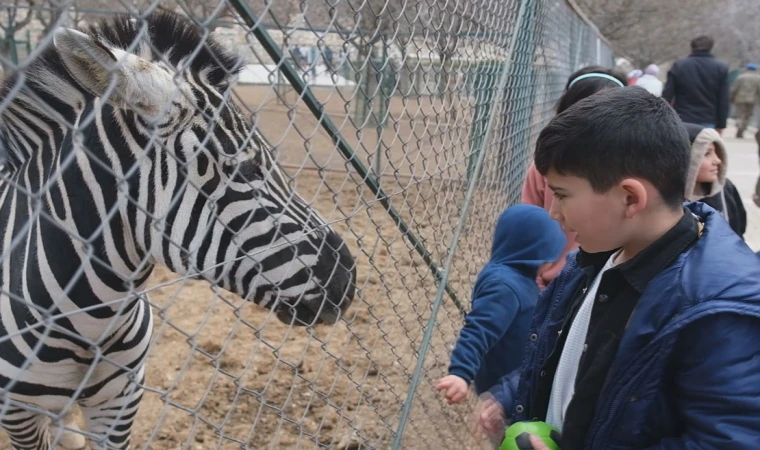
492, 341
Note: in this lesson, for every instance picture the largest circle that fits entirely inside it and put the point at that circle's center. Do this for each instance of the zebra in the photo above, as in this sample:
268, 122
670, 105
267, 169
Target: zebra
123, 151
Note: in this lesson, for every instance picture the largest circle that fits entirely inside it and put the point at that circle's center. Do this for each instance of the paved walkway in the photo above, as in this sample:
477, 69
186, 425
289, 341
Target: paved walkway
743, 170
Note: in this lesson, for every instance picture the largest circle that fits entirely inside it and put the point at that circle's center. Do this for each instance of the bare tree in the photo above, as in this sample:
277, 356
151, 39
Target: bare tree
736, 32
207, 12
15, 16
450, 20
59, 13
278, 11
371, 27
650, 31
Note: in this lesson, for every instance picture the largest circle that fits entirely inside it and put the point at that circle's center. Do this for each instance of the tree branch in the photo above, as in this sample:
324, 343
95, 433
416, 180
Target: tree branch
29, 14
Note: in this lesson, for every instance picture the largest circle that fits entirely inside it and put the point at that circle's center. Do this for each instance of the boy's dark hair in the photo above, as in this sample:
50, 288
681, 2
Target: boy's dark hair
588, 86
702, 44
615, 134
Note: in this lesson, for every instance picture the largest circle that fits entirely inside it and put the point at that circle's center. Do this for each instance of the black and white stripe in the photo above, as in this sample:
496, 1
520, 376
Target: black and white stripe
106, 176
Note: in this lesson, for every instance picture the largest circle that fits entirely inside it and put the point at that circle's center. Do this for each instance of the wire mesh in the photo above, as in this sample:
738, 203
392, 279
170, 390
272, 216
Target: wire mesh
154, 190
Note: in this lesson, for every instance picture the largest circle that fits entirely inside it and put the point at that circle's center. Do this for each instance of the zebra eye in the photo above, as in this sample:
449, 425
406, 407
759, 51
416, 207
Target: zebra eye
246, 172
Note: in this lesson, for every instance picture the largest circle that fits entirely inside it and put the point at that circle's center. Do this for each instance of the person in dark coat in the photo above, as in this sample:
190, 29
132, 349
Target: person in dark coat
492, 341
706, 179
756, 195
698, 87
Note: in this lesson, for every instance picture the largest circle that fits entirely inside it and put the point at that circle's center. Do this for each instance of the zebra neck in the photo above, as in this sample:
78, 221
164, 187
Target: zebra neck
68, 144
83, 180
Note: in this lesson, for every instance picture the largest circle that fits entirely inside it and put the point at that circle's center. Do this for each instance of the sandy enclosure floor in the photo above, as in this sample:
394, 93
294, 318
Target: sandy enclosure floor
226, 374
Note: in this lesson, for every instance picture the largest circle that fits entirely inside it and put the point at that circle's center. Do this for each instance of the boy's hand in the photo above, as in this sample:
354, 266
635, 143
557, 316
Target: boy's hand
456, 388
488, 419
546, 274
540, 282
537, 443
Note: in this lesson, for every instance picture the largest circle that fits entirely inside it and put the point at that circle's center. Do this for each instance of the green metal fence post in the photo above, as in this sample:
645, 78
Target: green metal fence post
317, 109
13, 52
483, 87
427, 336
517, 141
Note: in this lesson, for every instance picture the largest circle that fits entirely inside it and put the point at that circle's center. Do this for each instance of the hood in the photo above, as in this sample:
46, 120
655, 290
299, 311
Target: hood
700, 138
526, 237
720, 265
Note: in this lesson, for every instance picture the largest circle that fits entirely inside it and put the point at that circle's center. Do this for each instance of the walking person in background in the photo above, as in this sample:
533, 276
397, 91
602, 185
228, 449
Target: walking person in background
328, 57
492, 341
697, 86
649, 80
706, 179
744, 94
296, 56
581, 84
633, 76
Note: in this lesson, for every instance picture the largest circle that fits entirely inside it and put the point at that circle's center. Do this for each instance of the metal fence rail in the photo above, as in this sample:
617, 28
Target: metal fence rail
401, 129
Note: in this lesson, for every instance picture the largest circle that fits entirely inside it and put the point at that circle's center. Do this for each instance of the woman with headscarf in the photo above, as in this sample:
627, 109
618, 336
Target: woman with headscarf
649, 80
706, 179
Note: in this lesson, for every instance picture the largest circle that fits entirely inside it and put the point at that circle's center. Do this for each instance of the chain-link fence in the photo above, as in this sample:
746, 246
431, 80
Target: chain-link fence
135, 181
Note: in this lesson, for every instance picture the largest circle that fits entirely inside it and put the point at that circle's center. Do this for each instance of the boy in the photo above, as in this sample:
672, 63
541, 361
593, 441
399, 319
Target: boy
648, 338
492, 341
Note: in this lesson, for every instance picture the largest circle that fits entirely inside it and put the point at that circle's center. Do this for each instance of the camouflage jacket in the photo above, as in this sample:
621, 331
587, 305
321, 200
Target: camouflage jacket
746, 88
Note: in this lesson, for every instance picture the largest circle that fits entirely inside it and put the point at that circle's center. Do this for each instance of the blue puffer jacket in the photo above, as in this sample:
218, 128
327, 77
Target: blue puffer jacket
687, 372
491, 343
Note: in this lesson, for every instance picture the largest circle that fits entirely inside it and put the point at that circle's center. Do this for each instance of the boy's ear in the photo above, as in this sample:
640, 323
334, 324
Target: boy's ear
635, 196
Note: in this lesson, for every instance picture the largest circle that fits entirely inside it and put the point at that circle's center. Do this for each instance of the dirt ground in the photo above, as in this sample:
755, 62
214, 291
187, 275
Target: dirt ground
224, 374
227, 375
423, 136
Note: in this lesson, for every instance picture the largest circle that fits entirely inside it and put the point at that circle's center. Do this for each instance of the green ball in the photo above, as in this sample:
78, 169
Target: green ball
517, 436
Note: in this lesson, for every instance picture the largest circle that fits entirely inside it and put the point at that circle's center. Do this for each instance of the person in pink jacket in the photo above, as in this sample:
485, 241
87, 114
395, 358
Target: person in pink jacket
581, 84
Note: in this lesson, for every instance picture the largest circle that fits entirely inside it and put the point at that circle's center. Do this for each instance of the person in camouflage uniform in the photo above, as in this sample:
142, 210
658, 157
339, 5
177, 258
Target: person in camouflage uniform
744, 93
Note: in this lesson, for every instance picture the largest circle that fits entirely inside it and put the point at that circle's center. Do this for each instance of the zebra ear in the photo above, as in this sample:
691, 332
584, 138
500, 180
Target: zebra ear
137, 83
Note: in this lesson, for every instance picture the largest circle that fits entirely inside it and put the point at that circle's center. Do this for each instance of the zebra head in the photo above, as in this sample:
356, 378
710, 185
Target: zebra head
206, 198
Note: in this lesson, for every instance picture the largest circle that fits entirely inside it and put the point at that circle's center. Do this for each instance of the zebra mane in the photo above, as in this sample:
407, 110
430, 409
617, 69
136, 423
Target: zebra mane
46, 83
173, 38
